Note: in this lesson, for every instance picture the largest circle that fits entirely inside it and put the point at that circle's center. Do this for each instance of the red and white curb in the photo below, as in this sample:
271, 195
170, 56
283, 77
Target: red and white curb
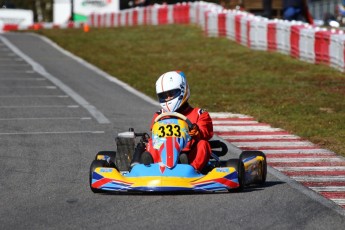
318, 169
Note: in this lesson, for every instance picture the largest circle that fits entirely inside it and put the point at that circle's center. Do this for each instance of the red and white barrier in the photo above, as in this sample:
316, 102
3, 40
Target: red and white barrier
272, 36
299, 40
211, 24
306, 44
40, 26
283, 37
337, 51
258, 34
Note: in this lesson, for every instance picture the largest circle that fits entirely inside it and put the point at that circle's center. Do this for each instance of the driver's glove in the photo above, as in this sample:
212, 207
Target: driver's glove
194, 131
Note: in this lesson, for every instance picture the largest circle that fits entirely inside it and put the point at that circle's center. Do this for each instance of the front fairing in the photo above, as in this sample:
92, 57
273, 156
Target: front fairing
150, 178
169, 137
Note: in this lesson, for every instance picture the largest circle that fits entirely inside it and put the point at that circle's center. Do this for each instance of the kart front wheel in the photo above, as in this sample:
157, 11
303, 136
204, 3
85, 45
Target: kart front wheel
96, 164
239, 167
108, 156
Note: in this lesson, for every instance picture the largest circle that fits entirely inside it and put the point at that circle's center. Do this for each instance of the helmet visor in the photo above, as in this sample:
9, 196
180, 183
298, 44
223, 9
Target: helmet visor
168, 95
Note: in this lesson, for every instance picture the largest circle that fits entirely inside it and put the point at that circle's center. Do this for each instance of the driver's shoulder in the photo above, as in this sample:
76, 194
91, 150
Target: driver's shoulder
200, 111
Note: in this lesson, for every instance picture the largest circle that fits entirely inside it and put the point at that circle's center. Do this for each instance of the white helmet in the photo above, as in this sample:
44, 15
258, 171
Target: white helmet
172, 90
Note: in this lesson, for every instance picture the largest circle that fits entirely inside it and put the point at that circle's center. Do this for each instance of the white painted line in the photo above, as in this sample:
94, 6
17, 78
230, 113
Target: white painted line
29, 87
245, 129
298, 160
85, 118
45, 118
39, 69
23, 79
228, 115
329, 189
234, 122
273, 144
308, 169
26, 96
315, 151
13, 71
38, 106
318, 178
100, 72
259, 137
45, 133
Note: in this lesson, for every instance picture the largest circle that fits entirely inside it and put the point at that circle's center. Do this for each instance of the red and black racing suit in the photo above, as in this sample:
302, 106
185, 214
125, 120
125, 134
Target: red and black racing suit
198, 148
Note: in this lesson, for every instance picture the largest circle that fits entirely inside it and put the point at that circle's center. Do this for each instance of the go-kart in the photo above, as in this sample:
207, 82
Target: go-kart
111, 170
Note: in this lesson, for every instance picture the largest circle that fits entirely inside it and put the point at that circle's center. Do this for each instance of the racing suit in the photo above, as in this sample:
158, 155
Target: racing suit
198, 148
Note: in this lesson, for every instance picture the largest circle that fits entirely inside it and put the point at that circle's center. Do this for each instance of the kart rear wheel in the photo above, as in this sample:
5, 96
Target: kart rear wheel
263, 172
239, 167
96, 164
262, 169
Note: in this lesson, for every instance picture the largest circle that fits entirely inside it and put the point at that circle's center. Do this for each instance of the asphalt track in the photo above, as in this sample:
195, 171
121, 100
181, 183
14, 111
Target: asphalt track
54, 119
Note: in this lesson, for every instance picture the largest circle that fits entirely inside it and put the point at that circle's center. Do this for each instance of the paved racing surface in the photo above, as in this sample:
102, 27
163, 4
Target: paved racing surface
56, 113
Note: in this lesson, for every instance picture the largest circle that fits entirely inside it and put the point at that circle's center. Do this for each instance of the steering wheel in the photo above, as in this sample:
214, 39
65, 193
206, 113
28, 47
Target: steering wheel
174, 114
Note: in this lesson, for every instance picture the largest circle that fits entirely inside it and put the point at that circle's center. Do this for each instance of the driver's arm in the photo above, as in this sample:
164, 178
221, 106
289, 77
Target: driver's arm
204, 126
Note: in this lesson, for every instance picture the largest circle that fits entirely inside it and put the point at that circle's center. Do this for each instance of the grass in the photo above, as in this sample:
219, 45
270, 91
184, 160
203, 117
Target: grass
304, 99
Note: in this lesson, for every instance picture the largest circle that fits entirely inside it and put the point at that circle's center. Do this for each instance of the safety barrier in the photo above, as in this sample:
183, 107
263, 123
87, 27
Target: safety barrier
299, 40
39, 26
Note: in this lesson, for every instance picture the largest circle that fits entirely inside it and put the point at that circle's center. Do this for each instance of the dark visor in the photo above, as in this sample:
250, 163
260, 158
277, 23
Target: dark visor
172, 94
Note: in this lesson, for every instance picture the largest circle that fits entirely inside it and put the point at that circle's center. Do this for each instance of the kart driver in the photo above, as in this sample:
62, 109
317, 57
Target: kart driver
173, 93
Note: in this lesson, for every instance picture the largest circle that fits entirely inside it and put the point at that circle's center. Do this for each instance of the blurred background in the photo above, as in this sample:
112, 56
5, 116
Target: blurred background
323, 12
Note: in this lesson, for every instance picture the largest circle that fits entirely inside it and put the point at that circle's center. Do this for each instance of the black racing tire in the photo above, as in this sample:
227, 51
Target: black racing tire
111, 154
263, 172
95, 164
239, 167
262, 166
